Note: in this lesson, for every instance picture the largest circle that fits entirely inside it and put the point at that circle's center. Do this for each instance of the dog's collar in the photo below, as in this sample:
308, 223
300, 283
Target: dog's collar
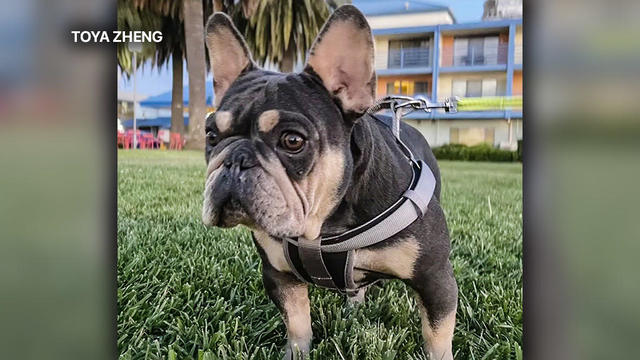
328, 261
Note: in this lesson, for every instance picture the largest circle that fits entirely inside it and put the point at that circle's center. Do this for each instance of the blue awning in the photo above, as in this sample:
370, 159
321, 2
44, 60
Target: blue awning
164, 100
161, 122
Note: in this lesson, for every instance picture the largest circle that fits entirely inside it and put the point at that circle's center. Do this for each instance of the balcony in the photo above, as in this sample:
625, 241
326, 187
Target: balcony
492, 58
479, 59
409, 58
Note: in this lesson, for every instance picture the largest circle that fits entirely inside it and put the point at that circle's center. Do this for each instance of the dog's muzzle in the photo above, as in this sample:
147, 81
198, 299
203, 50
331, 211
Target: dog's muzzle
244, 188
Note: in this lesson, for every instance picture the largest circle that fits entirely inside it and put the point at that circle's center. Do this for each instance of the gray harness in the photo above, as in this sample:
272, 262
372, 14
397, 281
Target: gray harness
328, 261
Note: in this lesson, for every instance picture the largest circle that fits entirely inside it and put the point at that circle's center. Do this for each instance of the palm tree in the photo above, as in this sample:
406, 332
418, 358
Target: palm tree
178, 40
132, 18
334, 4
196, 65
278, 32
172, 45
281, 31
145, 15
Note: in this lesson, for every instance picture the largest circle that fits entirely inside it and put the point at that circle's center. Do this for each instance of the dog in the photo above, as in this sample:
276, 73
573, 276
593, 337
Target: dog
296, 156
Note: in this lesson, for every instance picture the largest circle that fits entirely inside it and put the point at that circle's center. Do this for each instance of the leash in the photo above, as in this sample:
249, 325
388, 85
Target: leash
403, 105
328, 260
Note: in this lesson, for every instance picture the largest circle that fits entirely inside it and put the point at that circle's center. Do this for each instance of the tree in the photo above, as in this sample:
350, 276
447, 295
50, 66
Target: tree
172, 47
152, 16
196, 65
132, 18
180, 38
278, 32
281, 31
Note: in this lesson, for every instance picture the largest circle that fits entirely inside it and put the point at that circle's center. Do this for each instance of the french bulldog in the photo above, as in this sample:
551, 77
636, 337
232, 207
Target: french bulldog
291, 155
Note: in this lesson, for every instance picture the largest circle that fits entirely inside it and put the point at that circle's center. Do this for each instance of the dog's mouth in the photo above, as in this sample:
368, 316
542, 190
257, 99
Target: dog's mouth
251, 197
231, 214
221, 207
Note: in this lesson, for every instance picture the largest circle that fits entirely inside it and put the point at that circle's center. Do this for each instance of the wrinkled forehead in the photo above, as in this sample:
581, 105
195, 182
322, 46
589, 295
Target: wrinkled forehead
259, 99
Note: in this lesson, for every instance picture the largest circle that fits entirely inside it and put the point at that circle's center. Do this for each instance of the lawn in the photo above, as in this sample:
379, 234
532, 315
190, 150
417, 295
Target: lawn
190, 292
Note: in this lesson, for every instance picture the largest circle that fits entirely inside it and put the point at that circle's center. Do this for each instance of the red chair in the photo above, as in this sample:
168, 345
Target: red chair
121, 141
147, 141
128, 139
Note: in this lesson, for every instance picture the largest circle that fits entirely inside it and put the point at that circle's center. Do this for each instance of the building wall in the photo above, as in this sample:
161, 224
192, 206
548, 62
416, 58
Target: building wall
383, 81
381, 52
445, 81
518, 46
408, 20
437, 132
517, 83
446, 50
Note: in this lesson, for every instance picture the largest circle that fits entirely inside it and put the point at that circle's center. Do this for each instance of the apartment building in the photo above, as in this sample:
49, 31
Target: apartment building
422, 51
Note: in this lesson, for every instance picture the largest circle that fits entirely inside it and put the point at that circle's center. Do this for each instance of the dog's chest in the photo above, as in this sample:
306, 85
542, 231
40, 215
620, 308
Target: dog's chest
392, 261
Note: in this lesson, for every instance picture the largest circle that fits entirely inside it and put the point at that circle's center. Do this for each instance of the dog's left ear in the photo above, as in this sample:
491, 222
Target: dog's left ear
342, 56
228, 53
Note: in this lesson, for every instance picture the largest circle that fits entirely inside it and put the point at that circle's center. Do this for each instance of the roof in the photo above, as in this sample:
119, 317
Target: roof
128, 96
391, 7
481, 25
164, 100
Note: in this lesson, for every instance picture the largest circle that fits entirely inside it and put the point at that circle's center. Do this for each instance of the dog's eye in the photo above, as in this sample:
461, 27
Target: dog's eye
292, 142
211, 137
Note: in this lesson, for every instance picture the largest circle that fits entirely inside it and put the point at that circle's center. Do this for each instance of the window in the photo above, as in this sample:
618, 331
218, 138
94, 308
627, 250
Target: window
422, 88
475, 51
474, 88
489, 87
398, 87
477, 88
407, 87
459, 88
471, 136
408, 53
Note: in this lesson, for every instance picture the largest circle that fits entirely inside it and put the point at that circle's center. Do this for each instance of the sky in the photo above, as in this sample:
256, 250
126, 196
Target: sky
156, 81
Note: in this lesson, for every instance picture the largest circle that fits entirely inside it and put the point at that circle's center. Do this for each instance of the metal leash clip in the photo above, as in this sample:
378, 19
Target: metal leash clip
403, 105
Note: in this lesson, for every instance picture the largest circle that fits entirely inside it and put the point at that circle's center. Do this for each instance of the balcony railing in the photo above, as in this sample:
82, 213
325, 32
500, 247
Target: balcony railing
475, 57
474, 95
409, 58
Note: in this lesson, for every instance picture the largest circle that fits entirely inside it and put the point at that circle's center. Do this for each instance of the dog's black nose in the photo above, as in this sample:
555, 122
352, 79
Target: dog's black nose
243, 158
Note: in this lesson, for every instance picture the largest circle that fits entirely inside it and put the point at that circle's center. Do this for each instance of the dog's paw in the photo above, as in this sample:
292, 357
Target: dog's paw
295, 352
357, 298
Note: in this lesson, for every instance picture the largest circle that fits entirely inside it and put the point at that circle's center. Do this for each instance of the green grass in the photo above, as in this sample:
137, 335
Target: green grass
190, 292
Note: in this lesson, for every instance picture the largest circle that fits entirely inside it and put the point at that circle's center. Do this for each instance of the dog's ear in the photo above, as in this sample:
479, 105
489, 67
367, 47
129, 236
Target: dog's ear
342, 56
228, 53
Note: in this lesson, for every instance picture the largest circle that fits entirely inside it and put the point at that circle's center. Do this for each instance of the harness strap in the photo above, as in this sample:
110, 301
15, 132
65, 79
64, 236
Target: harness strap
414, 206
311, 258
318, 262
328, 262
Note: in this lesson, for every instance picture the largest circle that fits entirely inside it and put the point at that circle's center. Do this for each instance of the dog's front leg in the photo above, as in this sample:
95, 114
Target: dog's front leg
292, 299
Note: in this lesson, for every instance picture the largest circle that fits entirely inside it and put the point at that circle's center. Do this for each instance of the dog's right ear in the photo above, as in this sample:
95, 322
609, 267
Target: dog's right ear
228, 53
